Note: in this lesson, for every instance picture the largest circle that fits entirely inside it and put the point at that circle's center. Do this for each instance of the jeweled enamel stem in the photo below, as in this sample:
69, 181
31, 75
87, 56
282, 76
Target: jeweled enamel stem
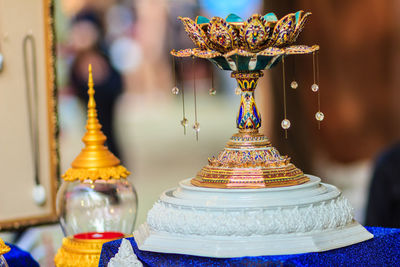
248, 117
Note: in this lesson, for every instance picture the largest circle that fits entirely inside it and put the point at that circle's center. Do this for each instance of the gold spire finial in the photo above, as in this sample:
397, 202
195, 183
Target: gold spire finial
3, 247
95, 160
91, 103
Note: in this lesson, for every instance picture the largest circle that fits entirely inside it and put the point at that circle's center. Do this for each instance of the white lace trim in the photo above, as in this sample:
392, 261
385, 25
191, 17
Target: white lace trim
125, 257
246, 222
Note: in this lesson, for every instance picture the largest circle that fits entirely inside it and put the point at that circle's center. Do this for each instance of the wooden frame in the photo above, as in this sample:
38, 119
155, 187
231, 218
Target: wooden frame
17, 208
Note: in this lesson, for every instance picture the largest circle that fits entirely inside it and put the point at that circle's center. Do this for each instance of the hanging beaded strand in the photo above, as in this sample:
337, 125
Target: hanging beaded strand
184, 121
319, 116
196, 125
294, 83
285, 124
212, 90
175, 89
314, 86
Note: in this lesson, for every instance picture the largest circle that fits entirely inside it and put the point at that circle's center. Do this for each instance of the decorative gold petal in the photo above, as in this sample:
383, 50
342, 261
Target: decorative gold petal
300, 25
283, 30
182, 53
271, 51
206, 53
254, 33
195, 33
301, 49
221, 35
240, 52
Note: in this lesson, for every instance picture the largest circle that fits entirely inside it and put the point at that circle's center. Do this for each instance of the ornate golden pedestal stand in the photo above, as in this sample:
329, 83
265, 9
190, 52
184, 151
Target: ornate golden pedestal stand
246, 48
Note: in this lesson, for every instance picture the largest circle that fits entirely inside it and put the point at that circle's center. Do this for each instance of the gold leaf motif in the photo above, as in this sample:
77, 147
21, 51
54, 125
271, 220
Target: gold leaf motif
222, 36
196, 34
254, 33
300, 25
283, 30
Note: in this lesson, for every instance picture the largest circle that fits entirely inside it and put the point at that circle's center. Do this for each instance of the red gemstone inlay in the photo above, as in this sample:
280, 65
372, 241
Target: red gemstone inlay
96, 235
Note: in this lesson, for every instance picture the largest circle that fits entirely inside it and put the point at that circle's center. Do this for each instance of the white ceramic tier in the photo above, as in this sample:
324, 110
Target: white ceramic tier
212, 222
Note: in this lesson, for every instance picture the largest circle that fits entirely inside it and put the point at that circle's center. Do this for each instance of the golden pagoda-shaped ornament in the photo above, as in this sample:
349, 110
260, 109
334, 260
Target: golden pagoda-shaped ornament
95, 203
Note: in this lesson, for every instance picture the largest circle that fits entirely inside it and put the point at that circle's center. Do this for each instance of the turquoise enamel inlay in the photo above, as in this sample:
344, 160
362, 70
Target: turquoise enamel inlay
298, 13
270, 17
233, 18
202, 20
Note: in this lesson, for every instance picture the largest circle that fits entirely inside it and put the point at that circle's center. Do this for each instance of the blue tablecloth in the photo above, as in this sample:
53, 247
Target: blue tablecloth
382, 250
19, 258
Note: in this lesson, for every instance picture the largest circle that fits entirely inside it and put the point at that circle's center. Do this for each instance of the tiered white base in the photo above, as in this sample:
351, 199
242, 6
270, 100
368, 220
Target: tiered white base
210, 222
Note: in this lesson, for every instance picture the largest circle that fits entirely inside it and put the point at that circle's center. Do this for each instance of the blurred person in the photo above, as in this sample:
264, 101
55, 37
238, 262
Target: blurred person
151, 78
87, 42
383, 207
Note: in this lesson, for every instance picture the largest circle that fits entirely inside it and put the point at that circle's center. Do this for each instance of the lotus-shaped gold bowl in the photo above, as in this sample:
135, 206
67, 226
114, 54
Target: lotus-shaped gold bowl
255, 44
253, 35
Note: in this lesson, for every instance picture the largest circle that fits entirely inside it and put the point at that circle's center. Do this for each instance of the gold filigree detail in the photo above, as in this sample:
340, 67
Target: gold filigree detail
117, 172
270, 51
249, 160
301, 49
3, 247
79, 252
254, 33
222, 36
283, 31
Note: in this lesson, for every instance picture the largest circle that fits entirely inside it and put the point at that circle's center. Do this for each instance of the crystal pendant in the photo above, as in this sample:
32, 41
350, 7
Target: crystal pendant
212, 91
285, 124
314, 87
184, 122
1, 62
319, 116
175, 90
196, 127
294, 85
238, 91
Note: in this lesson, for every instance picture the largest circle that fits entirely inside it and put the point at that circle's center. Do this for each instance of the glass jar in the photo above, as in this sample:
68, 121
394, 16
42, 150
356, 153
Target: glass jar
98, 206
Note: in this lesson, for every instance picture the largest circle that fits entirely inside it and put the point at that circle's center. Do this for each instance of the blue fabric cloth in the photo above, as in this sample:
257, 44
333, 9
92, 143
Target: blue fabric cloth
382, 250
19, 258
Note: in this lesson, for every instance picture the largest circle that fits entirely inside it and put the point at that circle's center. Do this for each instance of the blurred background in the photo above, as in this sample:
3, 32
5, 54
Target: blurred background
128, 44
